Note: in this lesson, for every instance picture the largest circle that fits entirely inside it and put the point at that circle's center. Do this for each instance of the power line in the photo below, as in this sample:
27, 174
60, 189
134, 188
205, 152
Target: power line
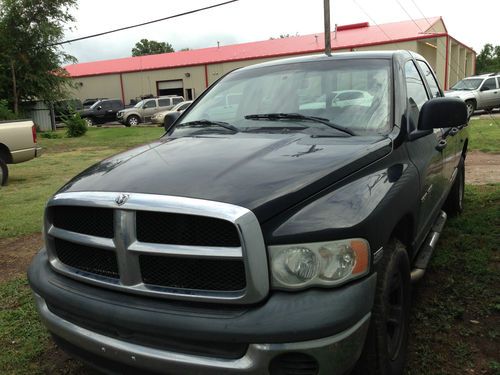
373, 21
143, 24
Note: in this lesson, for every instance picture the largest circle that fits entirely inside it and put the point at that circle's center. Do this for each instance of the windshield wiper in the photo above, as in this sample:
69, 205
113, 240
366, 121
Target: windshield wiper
222, 124
298, 116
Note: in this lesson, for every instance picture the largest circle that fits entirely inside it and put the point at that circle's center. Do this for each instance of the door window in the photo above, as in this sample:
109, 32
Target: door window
163, 102
429, 77
489, 84
415, 93
177, 100
150, 104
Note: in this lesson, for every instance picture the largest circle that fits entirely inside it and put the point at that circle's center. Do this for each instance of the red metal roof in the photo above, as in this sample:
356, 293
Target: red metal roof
348, 36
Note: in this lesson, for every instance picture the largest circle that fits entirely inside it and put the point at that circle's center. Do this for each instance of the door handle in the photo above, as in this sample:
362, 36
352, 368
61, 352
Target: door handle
441, 145
453, 131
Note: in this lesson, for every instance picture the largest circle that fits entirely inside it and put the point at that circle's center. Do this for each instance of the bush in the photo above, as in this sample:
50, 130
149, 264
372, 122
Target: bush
76, 126
50, 135
5, 112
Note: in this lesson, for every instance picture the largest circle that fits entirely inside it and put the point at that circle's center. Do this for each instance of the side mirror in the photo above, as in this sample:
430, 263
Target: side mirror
484, 88
99, 107
442, 113
170, 119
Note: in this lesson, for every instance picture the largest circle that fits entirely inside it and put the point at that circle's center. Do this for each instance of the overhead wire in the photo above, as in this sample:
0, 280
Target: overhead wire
143, 23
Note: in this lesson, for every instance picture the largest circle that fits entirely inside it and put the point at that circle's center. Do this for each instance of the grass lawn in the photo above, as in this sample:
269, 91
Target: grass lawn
485, 135
456, 314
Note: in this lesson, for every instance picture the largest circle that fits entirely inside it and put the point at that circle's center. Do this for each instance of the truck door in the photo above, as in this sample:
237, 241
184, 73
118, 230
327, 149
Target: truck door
426, 153
452, 150
149, 109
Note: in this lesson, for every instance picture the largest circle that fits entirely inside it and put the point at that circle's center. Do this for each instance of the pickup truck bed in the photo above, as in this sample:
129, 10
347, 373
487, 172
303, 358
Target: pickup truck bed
18, 144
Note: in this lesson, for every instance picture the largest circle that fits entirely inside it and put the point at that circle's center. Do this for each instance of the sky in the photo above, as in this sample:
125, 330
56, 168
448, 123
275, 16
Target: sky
253, 20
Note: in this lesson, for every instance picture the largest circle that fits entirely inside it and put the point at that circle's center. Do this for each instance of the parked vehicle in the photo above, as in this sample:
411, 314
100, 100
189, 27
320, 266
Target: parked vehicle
145, 109
87, 103
158, 117
264, 240
478, 92
17, 144
102, 111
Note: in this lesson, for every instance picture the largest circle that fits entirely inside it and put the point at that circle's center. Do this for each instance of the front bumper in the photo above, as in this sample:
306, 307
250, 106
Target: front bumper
328, 325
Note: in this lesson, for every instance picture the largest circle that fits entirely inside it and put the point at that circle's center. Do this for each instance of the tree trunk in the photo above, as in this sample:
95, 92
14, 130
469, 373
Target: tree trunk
14, 87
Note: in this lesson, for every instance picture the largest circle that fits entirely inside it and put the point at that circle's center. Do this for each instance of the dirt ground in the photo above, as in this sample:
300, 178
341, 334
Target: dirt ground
482, 168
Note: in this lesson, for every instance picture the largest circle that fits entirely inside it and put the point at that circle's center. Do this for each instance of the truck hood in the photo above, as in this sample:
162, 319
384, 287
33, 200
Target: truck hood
266, 173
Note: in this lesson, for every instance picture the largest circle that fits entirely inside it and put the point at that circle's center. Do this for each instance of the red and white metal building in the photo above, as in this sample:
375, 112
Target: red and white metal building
189, 72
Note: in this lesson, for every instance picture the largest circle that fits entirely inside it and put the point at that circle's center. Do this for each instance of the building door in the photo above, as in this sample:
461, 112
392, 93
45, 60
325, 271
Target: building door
189, 94
175, 87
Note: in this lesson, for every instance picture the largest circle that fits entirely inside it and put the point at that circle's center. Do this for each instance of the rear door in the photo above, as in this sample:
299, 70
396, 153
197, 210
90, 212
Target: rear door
489, 93
425, 152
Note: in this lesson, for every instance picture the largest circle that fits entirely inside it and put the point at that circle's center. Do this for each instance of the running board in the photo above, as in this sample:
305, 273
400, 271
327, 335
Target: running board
425, 253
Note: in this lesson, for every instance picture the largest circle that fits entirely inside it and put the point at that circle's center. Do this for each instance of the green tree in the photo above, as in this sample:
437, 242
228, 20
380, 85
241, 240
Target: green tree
151, 47
488, 60
30, 62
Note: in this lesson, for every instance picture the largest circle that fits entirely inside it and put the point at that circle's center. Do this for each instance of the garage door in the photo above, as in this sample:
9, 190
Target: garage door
170, 87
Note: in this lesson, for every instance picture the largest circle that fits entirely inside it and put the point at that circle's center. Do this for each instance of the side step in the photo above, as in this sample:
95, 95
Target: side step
425, 253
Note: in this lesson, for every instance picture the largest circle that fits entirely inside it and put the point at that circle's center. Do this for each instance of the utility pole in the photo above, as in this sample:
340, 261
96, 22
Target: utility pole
328, 41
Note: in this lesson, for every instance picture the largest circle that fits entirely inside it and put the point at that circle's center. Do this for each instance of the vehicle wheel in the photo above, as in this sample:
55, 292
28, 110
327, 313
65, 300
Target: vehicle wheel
132, 120
454, 204
89, 121
386, 343
471, 107
4, 173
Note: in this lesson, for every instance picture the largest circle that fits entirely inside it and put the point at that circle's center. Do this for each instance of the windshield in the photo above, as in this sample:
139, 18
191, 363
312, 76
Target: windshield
352, 94
139, 105
467, 84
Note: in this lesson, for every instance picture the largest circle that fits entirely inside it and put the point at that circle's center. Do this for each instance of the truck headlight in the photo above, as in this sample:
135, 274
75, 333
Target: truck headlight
319, 263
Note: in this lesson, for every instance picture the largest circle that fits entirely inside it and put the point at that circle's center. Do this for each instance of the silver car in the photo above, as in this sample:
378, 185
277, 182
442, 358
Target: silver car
145, 109
478, 92
158, 117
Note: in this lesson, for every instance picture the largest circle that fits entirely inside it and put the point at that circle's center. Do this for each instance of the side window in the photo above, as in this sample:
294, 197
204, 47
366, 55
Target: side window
183, 107
163, 102
177, 100
106, 105
429, 77
415, 92
489, 84
150, 104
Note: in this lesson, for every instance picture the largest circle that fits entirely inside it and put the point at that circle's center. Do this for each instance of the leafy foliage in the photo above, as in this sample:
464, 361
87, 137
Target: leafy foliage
75, 125
30, 63
488, 60
5, 112
151, 47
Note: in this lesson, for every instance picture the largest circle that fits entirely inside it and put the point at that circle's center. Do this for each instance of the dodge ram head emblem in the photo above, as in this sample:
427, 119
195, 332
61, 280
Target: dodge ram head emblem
121, 199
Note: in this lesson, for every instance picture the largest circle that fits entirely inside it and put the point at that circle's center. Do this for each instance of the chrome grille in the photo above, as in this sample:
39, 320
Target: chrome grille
162, 246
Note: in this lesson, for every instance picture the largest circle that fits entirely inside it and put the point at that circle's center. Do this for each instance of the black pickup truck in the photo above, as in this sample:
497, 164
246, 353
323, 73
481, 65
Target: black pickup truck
275, 235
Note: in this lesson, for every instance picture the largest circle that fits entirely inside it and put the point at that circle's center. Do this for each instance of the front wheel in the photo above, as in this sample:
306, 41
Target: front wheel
386, 344
132, 121
89, 121
4, 173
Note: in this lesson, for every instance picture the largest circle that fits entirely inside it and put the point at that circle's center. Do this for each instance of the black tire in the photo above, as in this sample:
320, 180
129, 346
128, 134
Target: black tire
454, 204
471, 107
132, 120
4, 173
89, 121
386, 344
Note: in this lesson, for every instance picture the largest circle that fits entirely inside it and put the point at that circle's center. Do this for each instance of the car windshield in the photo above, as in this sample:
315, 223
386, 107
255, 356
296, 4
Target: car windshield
98, 103
352, 94
467, 84
140, 104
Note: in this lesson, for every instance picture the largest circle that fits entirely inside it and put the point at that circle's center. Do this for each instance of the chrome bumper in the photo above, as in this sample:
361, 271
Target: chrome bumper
335, 354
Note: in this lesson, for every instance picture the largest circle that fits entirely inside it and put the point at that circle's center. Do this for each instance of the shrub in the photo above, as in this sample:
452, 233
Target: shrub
50, 135
5, 112
75, 125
